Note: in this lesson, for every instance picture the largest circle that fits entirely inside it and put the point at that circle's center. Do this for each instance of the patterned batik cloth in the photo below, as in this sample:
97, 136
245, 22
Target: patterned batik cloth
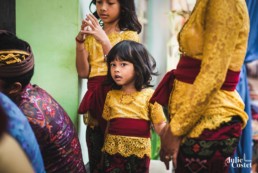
95, 141
255, 133
92, 107
132, 164
211, 152
19, 128
54, 130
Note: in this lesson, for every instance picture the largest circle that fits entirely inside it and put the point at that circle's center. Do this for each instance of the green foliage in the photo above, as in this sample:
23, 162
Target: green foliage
155, 145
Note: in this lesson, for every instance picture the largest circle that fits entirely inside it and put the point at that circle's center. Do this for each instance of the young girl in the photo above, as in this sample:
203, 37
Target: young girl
128, 111
118, 21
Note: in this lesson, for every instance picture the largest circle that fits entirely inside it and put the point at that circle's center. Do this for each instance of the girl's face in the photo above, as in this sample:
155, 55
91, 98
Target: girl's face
123, 73
108, 10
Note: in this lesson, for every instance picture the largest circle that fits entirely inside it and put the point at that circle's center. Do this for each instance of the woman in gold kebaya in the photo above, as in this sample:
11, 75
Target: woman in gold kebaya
207, 114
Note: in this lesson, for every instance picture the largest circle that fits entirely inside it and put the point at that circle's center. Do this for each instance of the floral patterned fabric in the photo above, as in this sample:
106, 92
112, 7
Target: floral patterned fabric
95, 141
119, 164
19, 128
211, 152
54, 130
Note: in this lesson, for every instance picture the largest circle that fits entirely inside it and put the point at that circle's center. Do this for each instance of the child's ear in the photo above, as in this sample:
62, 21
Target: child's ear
14, 89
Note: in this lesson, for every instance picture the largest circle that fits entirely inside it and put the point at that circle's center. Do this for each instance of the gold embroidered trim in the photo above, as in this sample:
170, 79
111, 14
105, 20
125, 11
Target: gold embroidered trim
89, 120
12, 56
127, 146
14, 51
127, 98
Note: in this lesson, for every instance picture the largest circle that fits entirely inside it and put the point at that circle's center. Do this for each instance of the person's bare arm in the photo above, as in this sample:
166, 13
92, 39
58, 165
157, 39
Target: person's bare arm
159, 128
82, 63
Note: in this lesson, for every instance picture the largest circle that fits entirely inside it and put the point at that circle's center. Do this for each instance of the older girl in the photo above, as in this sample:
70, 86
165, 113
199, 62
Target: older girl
118, 21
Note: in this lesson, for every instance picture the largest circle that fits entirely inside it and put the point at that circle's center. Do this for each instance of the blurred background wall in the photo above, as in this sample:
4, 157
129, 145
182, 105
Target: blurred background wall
50, 27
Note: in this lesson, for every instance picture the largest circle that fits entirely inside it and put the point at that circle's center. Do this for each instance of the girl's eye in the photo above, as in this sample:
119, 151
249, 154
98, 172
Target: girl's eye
111, 2
123, 64
98, 2
112, 65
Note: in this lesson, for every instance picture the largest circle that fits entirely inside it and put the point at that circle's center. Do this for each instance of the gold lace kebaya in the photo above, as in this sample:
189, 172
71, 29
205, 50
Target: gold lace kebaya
96, 57
134, 106
216, 33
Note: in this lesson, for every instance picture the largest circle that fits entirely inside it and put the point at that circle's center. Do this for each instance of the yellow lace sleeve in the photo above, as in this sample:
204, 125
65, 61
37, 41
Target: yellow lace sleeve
131, 35
157, 114
86, 43
106, 109
221, 28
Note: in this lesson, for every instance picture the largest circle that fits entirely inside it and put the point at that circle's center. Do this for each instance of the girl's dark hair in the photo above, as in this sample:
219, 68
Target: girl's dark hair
128, 18
23, 79
135, 53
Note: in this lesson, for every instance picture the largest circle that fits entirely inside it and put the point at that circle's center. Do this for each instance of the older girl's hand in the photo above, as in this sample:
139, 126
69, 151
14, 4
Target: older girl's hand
84, 27
93, 27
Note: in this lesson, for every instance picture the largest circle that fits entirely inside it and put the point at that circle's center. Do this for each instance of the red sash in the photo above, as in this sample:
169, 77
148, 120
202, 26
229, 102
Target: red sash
94, 99
129, 127
93, 84
187, 70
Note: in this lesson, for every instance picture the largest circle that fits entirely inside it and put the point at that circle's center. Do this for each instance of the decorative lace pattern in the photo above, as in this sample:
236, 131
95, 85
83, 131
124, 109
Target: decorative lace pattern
96, 57
127, 99
216, 33
127, 146
136, 105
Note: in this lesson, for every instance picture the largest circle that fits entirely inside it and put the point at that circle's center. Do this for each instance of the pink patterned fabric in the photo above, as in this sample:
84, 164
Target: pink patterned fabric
54, 130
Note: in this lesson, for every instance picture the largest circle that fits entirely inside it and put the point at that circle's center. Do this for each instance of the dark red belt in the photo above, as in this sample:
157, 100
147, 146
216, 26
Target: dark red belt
129, 127
187, 70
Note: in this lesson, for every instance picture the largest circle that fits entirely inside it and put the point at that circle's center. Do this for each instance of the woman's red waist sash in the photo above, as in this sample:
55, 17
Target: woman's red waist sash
187, 70
129, 127
95, 82
94, 99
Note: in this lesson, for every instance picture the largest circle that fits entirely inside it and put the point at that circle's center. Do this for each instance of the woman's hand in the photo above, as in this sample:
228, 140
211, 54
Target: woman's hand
170, 145
165, 157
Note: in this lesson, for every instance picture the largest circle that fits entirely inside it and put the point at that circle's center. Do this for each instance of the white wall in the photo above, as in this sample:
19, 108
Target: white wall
83, 10
158, 33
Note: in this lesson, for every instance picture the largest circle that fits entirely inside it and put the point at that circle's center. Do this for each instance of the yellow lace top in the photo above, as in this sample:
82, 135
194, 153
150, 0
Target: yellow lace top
136, 105
216, 33
98, 66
